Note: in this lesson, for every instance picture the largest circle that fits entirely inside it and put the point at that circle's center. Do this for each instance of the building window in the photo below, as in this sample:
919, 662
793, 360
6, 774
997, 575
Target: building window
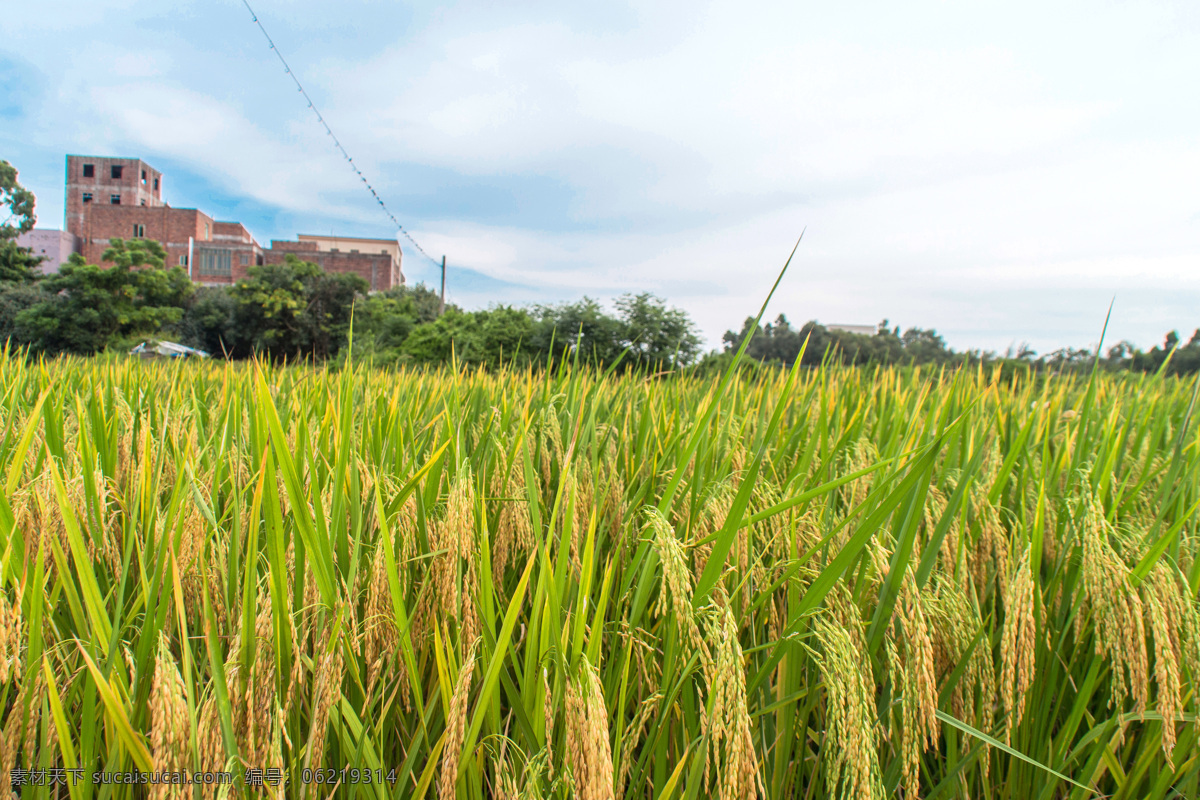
259, 261
383, 252
333, 250
139, 230
117, 171
212, 261
87, 197
353, 251
143, 177
245, 259
207, 235
114, 199
183, 261
156, 184
89, 170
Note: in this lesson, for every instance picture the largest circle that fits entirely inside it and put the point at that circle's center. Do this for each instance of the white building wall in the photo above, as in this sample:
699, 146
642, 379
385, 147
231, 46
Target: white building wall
54, 247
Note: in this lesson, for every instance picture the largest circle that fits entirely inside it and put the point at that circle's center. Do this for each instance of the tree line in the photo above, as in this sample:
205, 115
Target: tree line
297, 311
781, 344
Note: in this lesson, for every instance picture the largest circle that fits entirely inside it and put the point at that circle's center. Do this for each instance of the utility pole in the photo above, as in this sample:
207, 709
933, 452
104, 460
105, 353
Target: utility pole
442, 302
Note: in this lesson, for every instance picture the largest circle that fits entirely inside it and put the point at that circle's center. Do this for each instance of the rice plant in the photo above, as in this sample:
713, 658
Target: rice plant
826, 583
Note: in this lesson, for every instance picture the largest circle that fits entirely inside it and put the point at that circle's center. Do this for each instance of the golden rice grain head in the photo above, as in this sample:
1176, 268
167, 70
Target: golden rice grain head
728, 723
379, 625
456, 728
987, 556
1116, 609
572, 497
37, 693
518, 508
675, 591
633, 737
954, 620
575, 721
210, 741
920, 690
11, 636
460, 510
327, 689
445, 568
10, 737
860, 456
1018, 645
470, 612
1175, 624
597, 747
503, 536
170, 725
1169, 702
551, 442
851, 726
260, 700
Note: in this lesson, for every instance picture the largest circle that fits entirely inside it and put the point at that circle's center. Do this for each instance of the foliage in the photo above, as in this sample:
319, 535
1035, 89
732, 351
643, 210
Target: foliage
85, 308
293, 310
14, 299
581, 330
17, 264
385, 319
1184, 358
645, 333
209, 322
658, 337
835, 583
490, 337
18, 201
780, 343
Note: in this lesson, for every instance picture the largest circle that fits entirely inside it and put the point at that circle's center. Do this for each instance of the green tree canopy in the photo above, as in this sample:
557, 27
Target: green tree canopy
19, 201
577, 330
293, 310
499, 334
658, 337
86, 308
17, 264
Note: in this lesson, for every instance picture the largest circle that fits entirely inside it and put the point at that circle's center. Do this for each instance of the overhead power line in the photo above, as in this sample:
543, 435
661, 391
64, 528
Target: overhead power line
336, 142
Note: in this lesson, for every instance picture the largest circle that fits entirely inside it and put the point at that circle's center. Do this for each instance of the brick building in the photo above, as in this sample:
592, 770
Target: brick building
111, 198
377, 261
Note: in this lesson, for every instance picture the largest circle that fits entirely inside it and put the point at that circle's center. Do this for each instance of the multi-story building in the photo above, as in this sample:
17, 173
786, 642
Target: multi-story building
377, 261
110, 198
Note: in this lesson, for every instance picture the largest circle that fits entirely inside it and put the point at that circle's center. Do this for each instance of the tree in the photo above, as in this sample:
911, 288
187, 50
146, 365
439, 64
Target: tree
294, 309
497, 335
385, 319
779, 343
16, 298
17, 264
923, 346
86, 308
579, 330
19, 201
657, 337
209, 321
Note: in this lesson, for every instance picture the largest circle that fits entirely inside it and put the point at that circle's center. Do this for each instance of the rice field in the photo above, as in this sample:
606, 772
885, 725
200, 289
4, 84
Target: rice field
820, 584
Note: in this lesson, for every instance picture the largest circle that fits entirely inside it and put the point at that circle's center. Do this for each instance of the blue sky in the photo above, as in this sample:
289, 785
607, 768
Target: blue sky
998, 171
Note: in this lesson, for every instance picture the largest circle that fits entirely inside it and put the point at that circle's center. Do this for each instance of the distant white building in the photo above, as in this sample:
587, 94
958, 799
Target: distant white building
52, 246
866, 330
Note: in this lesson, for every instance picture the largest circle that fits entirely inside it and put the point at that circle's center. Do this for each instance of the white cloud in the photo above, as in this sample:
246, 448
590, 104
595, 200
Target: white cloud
996, 171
